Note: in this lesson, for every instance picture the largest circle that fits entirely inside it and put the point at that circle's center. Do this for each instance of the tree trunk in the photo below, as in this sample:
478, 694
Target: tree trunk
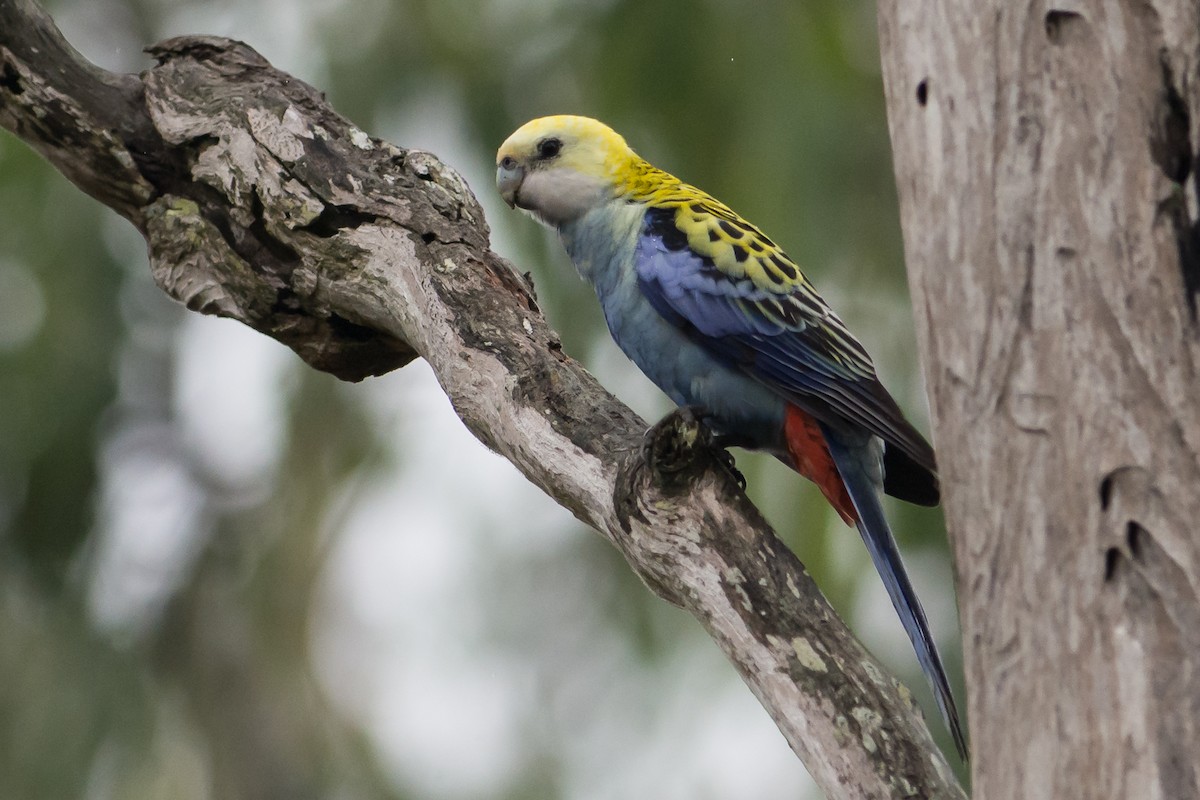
1044, 160
260, 203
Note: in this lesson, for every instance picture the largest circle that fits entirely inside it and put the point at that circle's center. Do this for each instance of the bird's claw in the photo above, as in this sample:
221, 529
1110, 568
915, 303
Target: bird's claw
669, 446
726, 460
668, 443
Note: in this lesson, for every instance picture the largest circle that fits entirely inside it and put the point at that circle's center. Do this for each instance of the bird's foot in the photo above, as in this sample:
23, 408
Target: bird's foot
668, 444
671, 445
729, 464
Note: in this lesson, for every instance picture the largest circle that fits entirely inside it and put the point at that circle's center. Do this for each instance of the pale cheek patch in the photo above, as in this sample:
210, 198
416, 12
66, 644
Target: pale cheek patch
558, 196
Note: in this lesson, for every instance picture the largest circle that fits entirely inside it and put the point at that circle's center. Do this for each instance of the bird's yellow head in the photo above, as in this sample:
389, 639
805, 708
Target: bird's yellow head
558, 168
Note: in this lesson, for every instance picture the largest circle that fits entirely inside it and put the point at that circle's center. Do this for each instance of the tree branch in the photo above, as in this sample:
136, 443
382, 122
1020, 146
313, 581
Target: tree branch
259, 203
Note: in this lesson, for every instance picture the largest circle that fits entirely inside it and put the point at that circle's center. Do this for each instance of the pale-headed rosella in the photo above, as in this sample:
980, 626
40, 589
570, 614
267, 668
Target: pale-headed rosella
722, 320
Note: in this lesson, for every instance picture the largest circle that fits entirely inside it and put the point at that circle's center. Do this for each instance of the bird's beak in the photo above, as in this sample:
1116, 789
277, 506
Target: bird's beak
508, 181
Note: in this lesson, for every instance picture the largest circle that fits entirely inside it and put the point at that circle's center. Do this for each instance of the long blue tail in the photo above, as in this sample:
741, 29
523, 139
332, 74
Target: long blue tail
852, 464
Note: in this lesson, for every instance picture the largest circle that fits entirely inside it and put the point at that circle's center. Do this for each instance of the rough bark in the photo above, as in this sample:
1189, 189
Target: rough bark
1044, 158
259, 203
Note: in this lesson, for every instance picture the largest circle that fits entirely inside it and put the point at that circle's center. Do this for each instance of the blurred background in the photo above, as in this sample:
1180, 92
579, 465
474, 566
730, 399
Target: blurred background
226, 576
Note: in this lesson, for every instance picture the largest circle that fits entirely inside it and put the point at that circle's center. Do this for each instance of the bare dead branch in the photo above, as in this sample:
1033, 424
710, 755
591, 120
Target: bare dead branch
260, 203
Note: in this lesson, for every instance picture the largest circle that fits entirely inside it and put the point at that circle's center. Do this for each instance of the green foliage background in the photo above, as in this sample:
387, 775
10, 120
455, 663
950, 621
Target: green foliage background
188, 516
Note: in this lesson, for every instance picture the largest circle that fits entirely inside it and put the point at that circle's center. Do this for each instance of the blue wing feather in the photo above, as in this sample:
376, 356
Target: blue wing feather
789, 340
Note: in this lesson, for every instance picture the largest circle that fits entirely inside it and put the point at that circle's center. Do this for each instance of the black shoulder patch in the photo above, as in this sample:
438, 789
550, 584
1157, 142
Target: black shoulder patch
660, 222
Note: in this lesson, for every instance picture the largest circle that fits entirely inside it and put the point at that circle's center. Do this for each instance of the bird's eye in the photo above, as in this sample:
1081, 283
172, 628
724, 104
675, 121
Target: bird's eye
549, 148
508, 162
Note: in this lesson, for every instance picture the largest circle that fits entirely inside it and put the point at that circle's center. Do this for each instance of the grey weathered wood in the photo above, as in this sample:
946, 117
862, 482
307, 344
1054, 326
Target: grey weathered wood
260, 203
1044, 155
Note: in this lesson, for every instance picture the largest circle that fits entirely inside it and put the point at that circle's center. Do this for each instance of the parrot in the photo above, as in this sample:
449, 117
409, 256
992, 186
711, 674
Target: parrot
717, 316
